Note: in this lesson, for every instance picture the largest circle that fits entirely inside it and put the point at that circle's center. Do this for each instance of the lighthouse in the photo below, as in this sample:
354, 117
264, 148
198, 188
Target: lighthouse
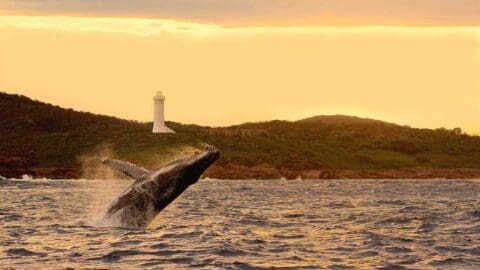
158, 114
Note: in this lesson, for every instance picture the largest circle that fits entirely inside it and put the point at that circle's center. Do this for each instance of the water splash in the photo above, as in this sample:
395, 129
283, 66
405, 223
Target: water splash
92, 167
100, 194
27, 177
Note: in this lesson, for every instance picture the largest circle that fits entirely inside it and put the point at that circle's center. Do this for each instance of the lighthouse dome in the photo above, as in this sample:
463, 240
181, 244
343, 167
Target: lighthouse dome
159, 96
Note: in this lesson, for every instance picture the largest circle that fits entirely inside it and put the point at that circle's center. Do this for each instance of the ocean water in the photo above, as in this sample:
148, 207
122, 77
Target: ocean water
307, 224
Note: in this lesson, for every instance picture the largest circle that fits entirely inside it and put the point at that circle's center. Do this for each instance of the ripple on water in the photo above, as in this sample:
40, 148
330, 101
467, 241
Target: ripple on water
182, 235
294, 216
289, 236
334, 224
228, 251
396, 250
448, 262
21, 252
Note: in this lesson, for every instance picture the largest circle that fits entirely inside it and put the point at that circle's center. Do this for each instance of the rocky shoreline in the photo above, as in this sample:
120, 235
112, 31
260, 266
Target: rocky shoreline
405, 173
259, 172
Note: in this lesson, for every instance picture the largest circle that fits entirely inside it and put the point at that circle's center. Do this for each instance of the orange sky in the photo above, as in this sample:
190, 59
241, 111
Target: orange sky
215, 75
263, 12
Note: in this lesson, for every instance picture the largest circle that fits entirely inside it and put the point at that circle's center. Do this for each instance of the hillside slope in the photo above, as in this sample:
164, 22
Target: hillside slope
45, 140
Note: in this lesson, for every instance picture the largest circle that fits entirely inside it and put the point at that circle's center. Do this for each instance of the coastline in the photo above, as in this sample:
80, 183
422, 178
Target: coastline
216, 172
403, 173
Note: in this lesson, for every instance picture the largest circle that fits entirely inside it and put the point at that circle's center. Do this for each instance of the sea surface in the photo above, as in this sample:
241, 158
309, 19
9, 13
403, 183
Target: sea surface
302, 224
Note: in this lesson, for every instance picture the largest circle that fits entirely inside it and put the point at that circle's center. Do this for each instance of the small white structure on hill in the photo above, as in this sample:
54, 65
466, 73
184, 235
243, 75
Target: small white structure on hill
158, 114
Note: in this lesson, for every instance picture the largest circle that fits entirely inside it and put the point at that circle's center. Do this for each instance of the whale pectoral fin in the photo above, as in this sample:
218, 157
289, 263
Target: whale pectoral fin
127, 168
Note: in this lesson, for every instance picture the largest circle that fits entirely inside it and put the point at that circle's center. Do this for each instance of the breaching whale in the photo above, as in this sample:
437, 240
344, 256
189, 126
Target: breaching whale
152, 191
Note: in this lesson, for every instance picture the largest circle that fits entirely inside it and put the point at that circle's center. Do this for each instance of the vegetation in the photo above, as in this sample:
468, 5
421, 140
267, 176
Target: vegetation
46, 140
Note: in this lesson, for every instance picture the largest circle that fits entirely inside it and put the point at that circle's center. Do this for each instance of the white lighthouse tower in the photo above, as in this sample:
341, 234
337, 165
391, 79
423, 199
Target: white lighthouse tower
158, 114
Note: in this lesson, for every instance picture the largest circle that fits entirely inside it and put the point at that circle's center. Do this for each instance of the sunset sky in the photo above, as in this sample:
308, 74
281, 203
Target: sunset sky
218, 62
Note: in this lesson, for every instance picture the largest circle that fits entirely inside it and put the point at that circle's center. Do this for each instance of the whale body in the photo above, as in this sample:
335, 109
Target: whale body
153, 190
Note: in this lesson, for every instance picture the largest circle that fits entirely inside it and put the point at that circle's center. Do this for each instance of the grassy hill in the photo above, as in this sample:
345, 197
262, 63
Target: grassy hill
46, 140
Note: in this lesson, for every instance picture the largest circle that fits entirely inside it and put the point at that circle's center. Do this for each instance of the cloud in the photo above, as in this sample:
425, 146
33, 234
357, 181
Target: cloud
132, 26
150, 27
265, 12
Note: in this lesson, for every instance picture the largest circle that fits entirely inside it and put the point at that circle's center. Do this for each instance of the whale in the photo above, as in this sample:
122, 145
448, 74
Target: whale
154, 190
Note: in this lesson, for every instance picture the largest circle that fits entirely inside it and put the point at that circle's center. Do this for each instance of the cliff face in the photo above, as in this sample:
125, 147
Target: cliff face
48, 141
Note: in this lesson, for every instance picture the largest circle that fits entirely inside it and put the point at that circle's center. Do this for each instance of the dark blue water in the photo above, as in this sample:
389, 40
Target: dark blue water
309, 224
